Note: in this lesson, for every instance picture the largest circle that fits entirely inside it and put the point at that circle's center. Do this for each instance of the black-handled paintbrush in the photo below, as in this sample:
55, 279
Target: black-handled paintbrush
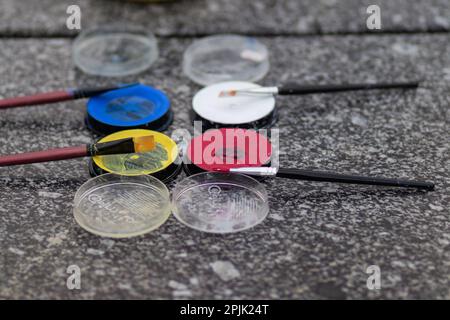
307, 89
332, 177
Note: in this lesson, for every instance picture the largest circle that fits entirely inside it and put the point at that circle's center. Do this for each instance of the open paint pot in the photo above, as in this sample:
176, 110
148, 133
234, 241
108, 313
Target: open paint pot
217, 202
241, 111
133, 107
162, 163
226, 148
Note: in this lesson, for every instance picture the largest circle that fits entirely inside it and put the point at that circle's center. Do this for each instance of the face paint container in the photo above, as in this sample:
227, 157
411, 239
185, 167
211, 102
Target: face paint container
241, 111
121, 206
218, 202
134, 107
162, 163
226, 148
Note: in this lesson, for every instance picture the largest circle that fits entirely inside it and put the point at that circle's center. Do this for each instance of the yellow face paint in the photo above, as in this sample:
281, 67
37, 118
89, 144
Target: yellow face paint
163, 155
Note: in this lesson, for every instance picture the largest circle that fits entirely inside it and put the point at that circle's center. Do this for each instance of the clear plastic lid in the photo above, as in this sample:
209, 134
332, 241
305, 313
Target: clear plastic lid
220, 202
115, 51
225, 58
121, 206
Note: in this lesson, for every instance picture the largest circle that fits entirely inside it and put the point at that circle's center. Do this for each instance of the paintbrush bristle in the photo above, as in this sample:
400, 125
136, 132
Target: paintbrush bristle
228, 93
144, 144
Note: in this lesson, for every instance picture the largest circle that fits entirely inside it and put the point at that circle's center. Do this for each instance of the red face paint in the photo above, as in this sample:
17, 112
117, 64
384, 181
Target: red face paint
222, 149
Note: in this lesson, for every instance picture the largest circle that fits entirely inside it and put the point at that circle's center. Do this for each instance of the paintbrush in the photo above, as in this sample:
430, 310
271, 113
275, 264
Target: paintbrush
129, 145
307, 89
332, 177
56, 96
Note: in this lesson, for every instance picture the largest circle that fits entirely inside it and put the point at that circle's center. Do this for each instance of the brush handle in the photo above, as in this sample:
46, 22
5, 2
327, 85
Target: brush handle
301, 89
333, 177
36, 99
56, 96
44, 156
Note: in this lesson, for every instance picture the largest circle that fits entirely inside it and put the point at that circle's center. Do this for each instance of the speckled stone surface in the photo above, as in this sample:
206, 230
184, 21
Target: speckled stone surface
318, 239
194, 17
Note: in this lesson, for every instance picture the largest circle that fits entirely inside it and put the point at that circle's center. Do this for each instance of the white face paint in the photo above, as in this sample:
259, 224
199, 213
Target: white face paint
232, 110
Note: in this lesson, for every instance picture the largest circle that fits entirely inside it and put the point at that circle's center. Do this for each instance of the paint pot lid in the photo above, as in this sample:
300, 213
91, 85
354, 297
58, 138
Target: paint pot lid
218, 202
133, 164
224, 58
115, 51
235, 110
121, 206
129, 107
226, 148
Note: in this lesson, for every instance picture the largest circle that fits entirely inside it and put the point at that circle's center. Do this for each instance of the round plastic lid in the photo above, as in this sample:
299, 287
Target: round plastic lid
226, 57
220, 202
115, 51
121, 206
239, 109
165, 153
226, 148
129, 107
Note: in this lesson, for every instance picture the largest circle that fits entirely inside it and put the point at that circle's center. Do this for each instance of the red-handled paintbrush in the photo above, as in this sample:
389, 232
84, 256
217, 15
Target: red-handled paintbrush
128, 145
55, 96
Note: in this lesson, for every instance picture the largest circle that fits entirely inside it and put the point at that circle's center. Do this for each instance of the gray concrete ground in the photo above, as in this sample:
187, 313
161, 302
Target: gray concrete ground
193, 17
319, 238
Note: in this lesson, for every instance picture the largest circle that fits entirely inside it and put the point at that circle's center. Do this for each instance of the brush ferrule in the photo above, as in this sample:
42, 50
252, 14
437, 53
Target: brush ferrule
90, 92
258, 91
91, 149
121, 146
256, 171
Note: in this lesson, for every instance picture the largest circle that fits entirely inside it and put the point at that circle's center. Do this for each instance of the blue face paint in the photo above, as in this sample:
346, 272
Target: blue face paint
132, 107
